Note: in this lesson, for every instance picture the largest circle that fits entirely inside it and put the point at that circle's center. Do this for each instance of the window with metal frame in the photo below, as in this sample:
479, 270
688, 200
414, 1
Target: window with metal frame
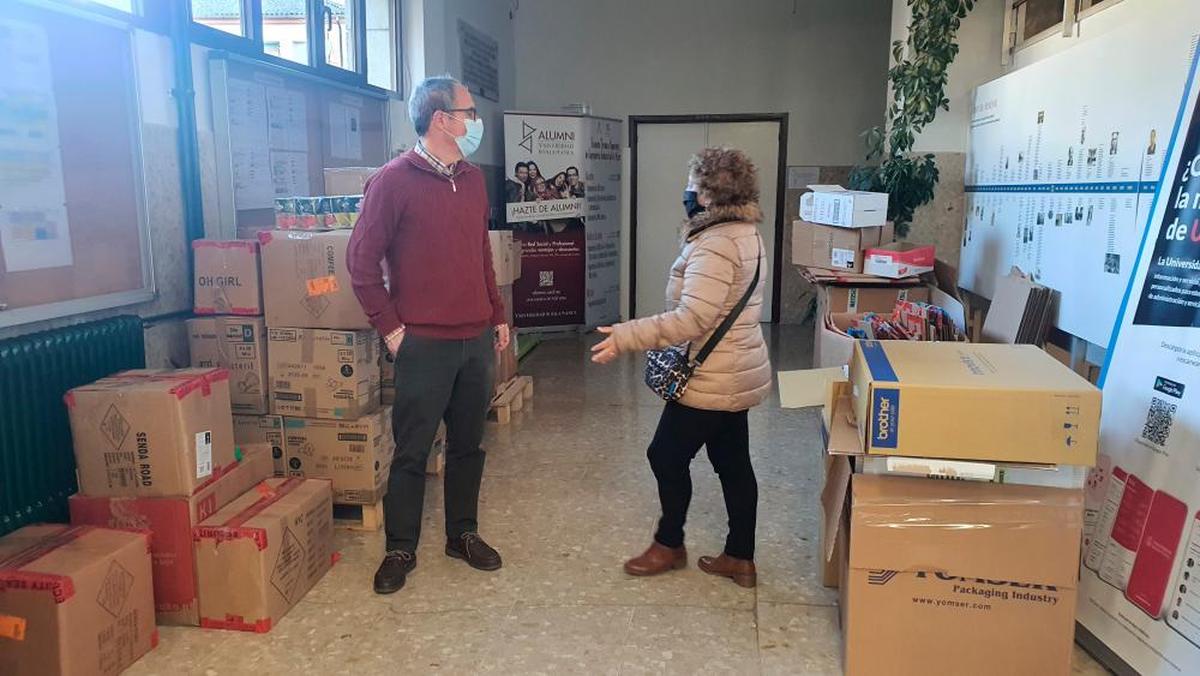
1032, 18
338, 22
349, 41
227, 16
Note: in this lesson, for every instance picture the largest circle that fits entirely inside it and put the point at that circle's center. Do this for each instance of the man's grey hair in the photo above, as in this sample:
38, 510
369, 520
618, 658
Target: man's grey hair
429, 96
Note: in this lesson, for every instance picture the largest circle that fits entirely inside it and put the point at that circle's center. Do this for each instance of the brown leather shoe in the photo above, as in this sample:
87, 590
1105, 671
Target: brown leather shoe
741, 571
656, 560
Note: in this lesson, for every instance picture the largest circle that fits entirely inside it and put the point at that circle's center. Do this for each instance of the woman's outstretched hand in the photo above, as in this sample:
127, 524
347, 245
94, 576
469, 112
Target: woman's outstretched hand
606, 350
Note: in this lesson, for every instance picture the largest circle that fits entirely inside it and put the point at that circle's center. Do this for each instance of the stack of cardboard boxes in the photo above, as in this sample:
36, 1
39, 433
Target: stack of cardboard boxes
230, 333
953, 507
324, 366
155, 452
843, 244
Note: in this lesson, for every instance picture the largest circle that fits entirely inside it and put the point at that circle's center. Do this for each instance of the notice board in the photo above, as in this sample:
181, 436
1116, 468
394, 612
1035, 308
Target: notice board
278, 130
73, 232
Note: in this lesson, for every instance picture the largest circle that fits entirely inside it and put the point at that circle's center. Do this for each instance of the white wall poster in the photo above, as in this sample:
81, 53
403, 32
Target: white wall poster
345, 131
1140, 578
1064, 160
252, 186
34, 233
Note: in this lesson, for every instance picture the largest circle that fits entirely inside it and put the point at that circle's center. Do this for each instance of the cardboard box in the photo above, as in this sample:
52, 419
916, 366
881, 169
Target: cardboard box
828, 246
998, 598
74, 601
1004, 403
227, 278
306, 283
151, 433
317, 373
505, 259
260, 554
516, 258
263, 429
354, 454
436, 464
834, 205
170, 521
899, 259
347, 180
881, 299
240, 346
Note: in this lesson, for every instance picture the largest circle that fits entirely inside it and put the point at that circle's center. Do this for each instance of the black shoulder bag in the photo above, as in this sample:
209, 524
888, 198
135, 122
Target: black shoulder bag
668, 370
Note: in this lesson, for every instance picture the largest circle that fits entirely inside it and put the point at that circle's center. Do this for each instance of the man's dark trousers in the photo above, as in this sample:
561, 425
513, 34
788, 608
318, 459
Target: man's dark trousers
438, 379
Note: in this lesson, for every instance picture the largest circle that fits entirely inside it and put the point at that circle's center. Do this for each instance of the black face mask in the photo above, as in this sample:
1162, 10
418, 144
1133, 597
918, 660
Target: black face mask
690, 204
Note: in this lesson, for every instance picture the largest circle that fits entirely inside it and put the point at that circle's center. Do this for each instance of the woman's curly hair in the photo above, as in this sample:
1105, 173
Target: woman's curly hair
726, 174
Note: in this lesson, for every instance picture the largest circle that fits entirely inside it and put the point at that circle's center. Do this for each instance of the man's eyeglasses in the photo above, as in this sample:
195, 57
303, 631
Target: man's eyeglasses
470, 113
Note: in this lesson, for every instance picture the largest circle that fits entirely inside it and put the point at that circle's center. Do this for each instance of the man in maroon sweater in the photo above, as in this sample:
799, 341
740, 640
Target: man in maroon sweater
425, 214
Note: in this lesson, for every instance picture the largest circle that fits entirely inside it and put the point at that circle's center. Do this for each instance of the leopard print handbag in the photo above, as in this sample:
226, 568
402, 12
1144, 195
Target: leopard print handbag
668, 370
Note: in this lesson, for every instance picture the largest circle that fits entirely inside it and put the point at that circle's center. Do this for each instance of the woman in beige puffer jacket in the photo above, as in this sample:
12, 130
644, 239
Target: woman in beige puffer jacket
721, 249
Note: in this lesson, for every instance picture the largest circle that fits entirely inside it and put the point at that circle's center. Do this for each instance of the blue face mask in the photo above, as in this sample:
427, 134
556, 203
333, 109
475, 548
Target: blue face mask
469, 142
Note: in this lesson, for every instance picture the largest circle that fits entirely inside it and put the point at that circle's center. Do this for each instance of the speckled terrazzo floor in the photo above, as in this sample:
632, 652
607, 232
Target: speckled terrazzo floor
567, 496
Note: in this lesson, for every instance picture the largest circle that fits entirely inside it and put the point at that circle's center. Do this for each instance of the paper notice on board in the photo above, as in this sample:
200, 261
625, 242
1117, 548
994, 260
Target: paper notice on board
252, 187
345, 131
34, 238
287, 116
289, 173
33, 217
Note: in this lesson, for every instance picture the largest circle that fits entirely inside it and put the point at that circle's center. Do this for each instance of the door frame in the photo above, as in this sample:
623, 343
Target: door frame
781, 181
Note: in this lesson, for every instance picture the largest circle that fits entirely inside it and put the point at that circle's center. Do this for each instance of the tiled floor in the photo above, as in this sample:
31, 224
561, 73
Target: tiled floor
567, 497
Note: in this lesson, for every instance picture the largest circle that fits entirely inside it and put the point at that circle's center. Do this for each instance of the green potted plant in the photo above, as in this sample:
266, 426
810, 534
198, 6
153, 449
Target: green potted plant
918, 80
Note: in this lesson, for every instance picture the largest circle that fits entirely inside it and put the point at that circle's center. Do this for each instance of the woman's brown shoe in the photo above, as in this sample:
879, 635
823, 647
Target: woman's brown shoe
656, 560
741, 571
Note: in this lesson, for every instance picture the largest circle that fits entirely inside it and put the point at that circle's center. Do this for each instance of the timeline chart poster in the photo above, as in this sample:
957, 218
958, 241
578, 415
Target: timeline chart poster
1064, 159
1140, 579
563, 201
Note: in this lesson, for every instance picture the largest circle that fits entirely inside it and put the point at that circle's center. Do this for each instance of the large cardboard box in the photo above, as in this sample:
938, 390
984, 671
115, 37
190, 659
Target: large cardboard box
881, 299
257, 557
227, 278
74, 601
263, 429
505, 259
306, 282
347, 180
354, 454
170, 522
1007, 403
238, 344
151, 433
834, 247
960, 578
317, 373
834, 205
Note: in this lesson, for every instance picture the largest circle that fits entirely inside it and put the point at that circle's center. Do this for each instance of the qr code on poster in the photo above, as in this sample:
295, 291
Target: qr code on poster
1158, 421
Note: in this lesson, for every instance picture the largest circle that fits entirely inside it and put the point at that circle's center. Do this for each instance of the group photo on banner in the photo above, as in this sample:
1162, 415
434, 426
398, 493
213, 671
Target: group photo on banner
562, 201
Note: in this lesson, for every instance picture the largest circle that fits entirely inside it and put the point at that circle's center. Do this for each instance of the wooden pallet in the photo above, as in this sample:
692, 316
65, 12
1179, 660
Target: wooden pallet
511, 398
359, 517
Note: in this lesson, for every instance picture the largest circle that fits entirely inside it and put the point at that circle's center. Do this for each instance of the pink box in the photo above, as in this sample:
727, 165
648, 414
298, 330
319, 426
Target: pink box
899, 259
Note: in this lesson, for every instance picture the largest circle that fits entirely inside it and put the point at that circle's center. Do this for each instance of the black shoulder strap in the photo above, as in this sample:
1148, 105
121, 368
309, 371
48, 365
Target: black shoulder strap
727, 324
